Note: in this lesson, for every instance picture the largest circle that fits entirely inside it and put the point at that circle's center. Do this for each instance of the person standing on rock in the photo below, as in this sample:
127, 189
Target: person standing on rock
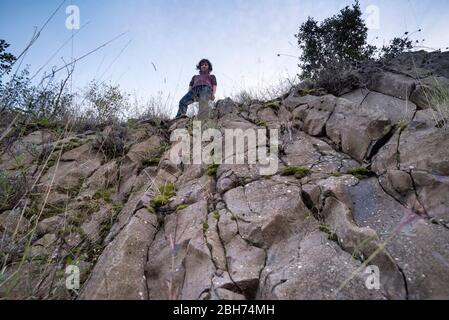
202, 88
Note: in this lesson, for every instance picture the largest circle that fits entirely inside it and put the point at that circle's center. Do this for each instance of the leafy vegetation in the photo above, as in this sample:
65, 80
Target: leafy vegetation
166, 192
333, 49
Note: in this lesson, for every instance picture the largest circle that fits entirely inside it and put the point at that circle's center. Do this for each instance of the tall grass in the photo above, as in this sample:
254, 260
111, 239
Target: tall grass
267, 92
437, 96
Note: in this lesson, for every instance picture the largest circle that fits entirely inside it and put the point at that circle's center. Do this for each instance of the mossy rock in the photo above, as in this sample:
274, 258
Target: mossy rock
360, 173
181, 207
298, 172
212, 169
274, 105
166, 192
332, 235
151, 162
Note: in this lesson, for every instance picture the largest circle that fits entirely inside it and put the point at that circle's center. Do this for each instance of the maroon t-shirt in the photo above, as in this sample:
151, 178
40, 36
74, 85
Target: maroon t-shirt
203, 79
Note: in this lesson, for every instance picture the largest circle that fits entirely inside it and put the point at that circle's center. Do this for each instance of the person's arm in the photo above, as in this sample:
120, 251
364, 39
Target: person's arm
191, 83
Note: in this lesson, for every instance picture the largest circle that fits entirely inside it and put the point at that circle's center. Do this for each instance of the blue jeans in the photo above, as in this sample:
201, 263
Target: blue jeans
196, 94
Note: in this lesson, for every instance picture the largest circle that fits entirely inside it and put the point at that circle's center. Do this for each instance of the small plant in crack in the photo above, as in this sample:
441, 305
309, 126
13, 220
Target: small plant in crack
331, 234
360, 173
151, 162
298, 172
273, 105
212, 169
166, 192
205, 227
401, 125
336, 174
261, 124
104, 194
181, 207
216, 214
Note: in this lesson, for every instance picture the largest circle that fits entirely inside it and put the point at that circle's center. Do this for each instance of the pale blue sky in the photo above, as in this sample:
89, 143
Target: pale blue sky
241, 37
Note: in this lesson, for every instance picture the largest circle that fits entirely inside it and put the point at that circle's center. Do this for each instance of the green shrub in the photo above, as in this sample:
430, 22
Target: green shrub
166, 192
332, 50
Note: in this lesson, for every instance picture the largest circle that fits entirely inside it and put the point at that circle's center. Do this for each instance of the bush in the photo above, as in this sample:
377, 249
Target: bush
11, 190
6, 59
333, 50
112, 142
107, 103
341, 38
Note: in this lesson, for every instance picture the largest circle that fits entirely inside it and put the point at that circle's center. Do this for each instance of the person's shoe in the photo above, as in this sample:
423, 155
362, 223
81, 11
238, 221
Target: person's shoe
182, 116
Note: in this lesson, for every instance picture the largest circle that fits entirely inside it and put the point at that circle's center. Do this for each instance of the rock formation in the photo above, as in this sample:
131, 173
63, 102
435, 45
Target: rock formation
363, 180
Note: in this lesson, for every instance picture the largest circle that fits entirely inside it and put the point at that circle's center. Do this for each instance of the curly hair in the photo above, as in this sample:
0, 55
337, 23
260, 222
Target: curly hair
198, 66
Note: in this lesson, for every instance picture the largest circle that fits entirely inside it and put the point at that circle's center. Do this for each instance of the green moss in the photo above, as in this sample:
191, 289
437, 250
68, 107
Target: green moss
331, 233
298, 172
151, 162
261, 124
306, 92
159, 201
337, 174
208, 296
212, 169
205, 227
181, 207
104, 194
387, 129
166, 192
43, 122
151, 209
360, 173
274, 105
402, 125
117, 207
216, 214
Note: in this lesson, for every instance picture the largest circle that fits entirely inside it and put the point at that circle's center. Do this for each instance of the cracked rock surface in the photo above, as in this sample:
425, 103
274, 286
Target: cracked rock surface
235, 234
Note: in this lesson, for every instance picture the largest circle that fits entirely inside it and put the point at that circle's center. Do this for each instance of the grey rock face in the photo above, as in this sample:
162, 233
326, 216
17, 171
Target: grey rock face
357, 208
